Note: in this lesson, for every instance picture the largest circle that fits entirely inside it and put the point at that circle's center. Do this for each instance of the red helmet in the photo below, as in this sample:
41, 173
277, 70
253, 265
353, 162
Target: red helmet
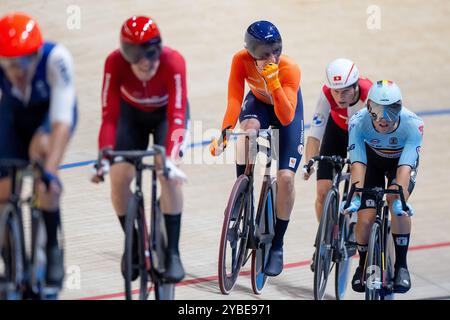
19, 35
140, 38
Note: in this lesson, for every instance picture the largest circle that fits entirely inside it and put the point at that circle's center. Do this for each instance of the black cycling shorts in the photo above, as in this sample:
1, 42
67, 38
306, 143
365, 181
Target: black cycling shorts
135, 126
334, 143
377, 170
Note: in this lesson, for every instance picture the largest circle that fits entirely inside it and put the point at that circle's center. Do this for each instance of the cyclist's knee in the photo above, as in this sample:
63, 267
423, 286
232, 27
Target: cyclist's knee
121, 176
391, 197
286, 180
366, 217
322, 189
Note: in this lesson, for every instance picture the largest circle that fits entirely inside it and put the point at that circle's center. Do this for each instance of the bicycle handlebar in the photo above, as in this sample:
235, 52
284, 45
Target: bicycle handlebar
34, 166
378, 193
336, 160
133, 157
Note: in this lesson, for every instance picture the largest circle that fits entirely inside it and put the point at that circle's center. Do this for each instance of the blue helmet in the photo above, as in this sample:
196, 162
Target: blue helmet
263, 39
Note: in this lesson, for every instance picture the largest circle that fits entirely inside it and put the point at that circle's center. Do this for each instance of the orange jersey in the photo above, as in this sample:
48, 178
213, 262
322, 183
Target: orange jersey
284, 99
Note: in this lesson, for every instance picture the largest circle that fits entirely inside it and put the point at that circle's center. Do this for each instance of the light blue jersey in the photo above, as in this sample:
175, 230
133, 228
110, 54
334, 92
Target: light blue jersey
404, 142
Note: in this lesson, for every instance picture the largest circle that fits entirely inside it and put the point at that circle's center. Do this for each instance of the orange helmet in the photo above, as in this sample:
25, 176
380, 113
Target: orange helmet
19, 35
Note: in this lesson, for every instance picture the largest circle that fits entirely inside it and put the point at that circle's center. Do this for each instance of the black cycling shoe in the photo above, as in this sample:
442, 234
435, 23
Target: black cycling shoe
55, 267
357, 281
402, 281
135, 264
311, 264
274, 264
174, 268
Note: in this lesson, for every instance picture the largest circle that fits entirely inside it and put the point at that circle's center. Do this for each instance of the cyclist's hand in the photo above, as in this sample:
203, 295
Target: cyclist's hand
215, 149
307, 174
353, 207
397, 209
99, 170
270, 75
49, 190
175, 173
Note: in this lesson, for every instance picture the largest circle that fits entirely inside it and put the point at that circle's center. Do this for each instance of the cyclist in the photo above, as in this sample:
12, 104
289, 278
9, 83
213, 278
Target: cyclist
384, 142
144, 92
37, 117
274, 100
343, 94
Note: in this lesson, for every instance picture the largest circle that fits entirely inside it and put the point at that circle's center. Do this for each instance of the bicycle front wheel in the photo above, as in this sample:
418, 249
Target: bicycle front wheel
134, 224
11, 255
324, 251
234, 235
343, 265
265, 231
374, 268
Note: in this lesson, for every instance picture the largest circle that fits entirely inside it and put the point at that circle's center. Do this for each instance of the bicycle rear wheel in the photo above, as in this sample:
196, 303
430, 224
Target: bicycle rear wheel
324, 251
374, 271
265, 231
134, 222
343, 264
234, 235
11, 255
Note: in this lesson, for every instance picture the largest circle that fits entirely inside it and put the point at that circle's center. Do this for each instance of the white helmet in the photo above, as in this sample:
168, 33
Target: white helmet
341, 73
384, 100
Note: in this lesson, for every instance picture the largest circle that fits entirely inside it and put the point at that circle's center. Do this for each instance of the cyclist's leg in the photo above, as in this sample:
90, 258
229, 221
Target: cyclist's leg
401, 232
334, 142
253, 117
47, 146
171, 201
366, 216
289, 149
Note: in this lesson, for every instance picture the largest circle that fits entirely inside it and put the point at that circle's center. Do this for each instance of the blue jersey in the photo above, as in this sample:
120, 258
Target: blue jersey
50, 89
403, 143
48, 98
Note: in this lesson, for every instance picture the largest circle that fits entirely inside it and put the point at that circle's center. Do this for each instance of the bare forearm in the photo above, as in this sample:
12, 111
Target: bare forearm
312, 148
59, 139
358, 173
402, 178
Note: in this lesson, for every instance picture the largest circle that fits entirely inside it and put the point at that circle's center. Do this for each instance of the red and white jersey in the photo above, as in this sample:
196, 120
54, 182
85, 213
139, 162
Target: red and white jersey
166, 88
326, 106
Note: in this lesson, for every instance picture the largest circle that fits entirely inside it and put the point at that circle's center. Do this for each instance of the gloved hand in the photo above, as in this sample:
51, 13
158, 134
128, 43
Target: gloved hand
175, 173
307, 174
270, 75
353, 207
215, 149
397, 209
99, 170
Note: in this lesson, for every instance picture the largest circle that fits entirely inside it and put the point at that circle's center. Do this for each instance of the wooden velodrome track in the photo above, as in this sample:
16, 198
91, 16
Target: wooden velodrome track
411, 46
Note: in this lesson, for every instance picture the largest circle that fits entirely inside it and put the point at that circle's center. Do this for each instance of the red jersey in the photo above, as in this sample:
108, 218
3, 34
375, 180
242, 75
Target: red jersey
166, 88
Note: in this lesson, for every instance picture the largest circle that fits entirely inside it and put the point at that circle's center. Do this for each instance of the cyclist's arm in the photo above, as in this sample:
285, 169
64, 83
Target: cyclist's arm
318, 125
176, 110
312, 148
62, 104
357, 150
320, 118
236, 85
110, 104
285, 97
410, 156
